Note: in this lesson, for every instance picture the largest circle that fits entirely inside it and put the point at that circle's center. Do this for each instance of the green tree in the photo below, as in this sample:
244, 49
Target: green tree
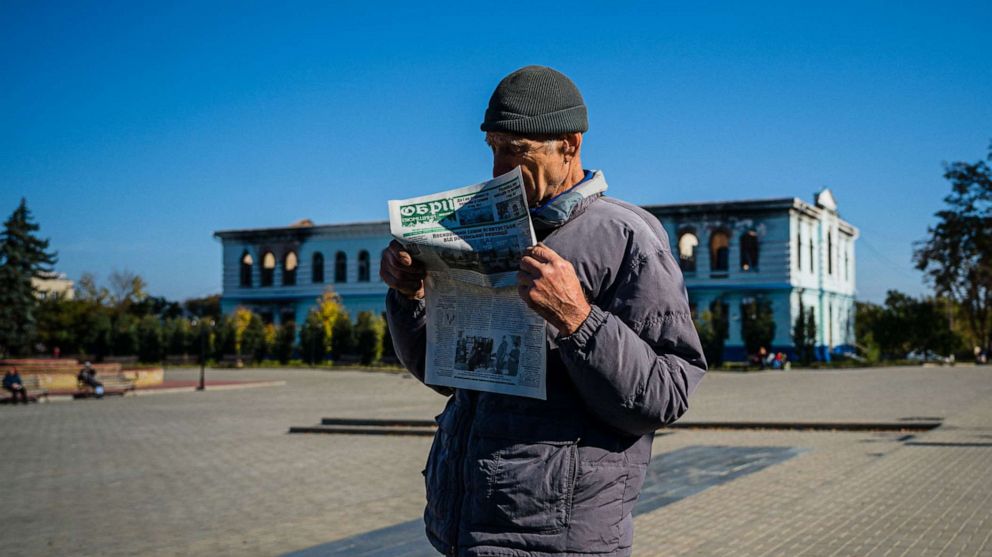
207, 307
56, 324
799, 339
23, 256
388, 351
804, 335
866, 321
757, 324
285, 338
957, 256
225, 338
253, 339
370, 330
179, 337
343, 341
908, 324
125, 335
330, 310
151, 345
312, 340
98, 333
713, 328
811, 333
205, 339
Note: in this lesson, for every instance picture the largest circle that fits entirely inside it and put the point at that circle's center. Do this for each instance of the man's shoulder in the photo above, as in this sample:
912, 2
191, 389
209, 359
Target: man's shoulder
627, 219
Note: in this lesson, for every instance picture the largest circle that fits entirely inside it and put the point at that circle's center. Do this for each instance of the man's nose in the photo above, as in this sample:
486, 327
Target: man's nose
501, 165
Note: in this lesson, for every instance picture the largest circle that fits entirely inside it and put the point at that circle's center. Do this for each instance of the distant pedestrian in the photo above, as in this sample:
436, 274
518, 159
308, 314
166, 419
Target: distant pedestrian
87, 378
12, 382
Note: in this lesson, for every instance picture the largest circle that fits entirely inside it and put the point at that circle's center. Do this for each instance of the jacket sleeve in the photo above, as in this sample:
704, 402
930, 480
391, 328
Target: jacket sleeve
636, 362
407, 321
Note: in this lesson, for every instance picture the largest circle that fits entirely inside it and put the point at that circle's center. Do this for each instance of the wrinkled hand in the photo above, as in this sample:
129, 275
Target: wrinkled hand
401, 272
549, 286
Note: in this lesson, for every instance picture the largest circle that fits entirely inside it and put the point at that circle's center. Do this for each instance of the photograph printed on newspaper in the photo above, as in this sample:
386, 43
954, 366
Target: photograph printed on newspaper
480, 334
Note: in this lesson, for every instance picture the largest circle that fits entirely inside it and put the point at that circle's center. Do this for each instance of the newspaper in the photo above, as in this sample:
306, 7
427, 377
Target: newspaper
480, 334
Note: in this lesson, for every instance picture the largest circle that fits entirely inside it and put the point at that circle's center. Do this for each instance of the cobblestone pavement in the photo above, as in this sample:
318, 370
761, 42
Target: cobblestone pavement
216, 473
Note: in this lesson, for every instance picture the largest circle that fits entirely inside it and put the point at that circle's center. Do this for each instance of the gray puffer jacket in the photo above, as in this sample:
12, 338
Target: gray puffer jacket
511, 476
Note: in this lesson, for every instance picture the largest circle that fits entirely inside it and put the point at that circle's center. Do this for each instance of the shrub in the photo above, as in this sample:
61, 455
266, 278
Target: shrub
370, 330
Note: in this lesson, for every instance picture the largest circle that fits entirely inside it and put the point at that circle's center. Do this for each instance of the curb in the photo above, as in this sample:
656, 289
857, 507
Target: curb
385, 426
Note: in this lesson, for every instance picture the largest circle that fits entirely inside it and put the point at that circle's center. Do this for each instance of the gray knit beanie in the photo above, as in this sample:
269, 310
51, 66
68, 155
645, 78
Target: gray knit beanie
536, 100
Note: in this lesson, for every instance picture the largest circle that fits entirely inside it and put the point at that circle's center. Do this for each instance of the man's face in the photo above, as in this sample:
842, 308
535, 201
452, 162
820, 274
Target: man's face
544, 167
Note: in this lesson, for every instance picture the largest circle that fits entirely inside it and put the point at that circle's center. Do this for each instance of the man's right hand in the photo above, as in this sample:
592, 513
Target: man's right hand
401, 272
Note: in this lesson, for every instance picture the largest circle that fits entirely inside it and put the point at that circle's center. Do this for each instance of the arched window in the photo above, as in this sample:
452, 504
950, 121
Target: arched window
719, 252
687, 251
363, 266
268, 268
317, 267
289, 265
246, 265
340, 267
749, 251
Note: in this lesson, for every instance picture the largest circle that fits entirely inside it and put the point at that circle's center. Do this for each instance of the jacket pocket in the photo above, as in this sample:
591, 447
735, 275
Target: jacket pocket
521, 474
439, 474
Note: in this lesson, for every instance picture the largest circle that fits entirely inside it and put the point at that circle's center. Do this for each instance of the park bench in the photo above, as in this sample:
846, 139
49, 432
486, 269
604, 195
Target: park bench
113, 385
33, 386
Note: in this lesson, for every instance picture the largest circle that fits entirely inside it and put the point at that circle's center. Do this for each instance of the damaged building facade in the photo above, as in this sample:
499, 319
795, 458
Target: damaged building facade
786, 252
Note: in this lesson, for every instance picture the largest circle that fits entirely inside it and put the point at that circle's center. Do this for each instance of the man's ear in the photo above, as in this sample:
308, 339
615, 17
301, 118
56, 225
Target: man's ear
570, 145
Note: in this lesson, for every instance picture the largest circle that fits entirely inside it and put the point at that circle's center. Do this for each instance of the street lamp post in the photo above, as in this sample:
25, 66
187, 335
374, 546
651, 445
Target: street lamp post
204, 332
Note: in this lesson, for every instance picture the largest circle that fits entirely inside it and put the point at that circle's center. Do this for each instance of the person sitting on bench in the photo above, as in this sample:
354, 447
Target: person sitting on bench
12, 382
87, 377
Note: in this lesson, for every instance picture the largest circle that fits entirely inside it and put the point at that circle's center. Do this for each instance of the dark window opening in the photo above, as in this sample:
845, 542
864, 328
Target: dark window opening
719, 252
246, 265
317, 268
340, 267
268, 268
289, 265
363, 266
749, 251
687, 251
830, 254
799, 251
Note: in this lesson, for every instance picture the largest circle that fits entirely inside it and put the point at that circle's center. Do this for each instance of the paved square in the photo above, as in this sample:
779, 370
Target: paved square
215, 473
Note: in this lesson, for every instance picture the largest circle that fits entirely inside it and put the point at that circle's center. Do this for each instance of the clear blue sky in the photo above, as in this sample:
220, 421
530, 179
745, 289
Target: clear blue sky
137, 129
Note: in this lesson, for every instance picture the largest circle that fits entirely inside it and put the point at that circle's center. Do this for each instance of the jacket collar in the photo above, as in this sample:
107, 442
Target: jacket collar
562, 207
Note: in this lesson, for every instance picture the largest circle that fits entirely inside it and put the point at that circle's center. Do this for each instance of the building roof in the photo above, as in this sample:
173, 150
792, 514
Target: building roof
295, 230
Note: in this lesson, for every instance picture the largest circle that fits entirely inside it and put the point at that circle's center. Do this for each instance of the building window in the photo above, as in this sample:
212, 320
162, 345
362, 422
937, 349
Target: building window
812, 257
799, 250
749, 251
246, 265
687, 251
340, 267
847, 262
268, 268
830, 253
289, 265
363, 266
719, 252
317, 267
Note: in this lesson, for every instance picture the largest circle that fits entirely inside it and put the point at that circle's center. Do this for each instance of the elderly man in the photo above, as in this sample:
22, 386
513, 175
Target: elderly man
514, 476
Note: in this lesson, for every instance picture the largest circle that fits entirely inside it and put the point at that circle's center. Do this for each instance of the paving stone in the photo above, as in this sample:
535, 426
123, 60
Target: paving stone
215, 473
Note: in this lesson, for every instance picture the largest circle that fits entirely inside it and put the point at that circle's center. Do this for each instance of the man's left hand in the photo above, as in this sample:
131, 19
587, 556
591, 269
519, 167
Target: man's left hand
549, 286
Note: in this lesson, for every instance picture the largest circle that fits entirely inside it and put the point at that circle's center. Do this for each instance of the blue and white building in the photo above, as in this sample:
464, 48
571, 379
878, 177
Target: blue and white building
784, 250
